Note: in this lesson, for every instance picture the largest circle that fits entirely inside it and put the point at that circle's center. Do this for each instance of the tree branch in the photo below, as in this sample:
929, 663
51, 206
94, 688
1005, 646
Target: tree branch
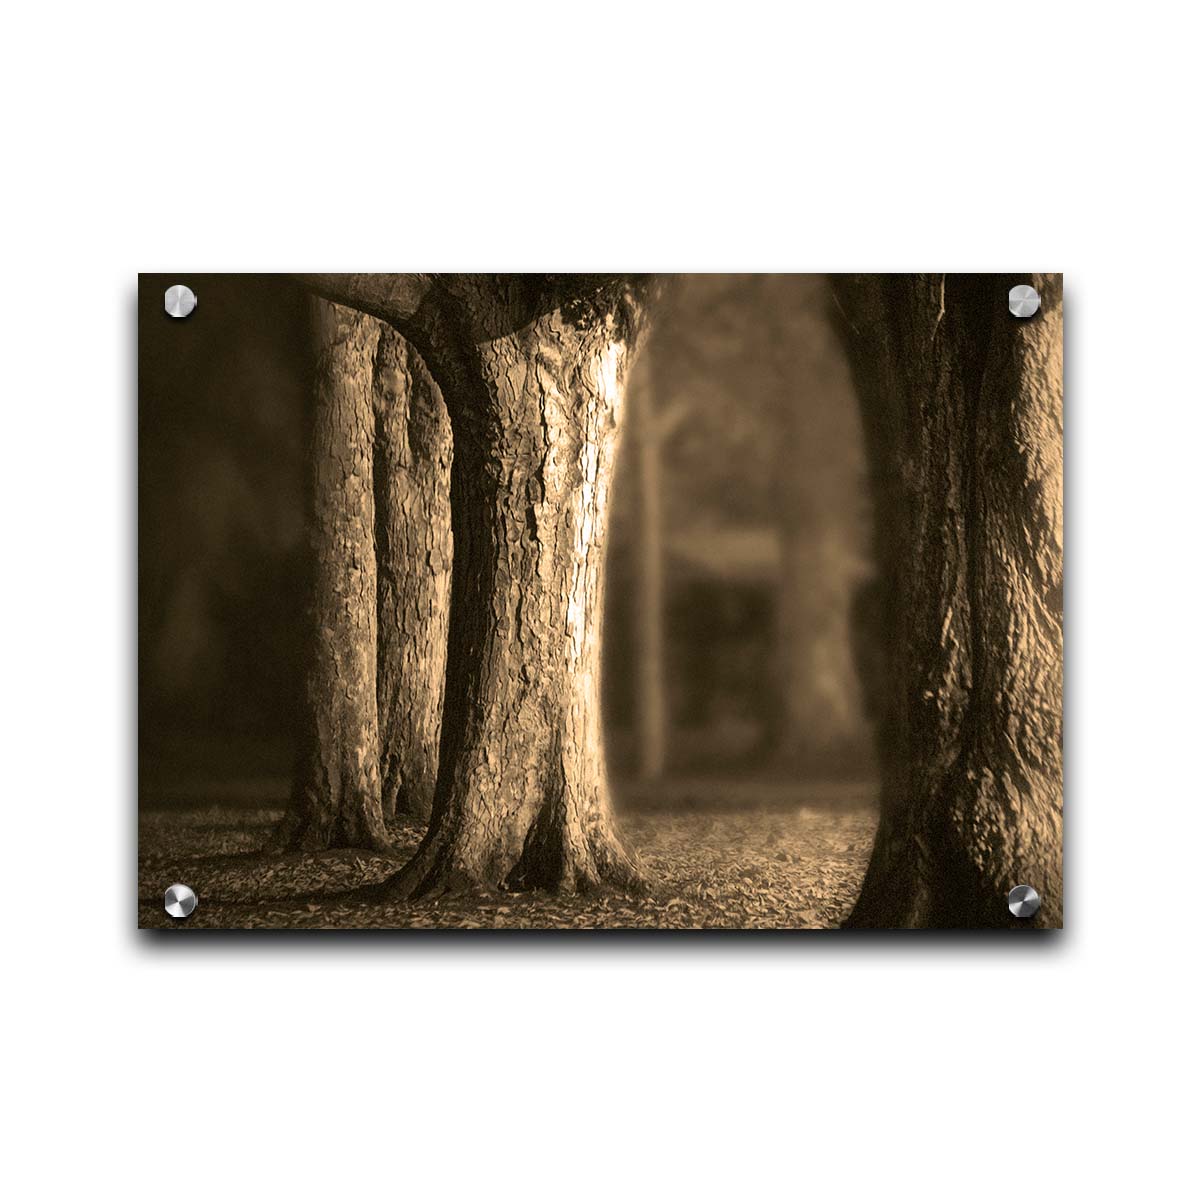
391, 298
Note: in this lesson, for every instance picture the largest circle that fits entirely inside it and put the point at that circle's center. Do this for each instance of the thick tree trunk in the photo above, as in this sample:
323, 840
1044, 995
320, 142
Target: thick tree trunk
533, 372
336, 797
413, 553
962, 407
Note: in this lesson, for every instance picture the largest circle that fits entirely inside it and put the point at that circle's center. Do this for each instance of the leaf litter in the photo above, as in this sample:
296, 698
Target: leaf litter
756, 869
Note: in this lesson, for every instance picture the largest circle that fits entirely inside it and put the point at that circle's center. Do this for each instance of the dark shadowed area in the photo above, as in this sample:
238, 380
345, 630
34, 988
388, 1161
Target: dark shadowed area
221, 443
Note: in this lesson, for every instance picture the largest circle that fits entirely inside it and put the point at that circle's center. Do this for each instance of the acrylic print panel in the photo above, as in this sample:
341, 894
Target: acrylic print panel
600, 602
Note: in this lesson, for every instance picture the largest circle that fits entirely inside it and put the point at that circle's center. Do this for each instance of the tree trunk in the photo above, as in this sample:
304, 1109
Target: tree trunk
336, 797
818, 707
819, 721
533, 373
818, 724
962, 407
413, 552
651, 708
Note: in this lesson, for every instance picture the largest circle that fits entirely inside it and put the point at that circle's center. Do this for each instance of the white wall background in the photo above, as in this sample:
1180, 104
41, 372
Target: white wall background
750, 137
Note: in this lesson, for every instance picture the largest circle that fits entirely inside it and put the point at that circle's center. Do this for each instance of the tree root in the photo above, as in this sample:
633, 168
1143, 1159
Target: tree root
437, 871
297, 831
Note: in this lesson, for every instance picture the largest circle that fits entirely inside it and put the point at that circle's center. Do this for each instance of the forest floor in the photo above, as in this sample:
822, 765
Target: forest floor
768, 868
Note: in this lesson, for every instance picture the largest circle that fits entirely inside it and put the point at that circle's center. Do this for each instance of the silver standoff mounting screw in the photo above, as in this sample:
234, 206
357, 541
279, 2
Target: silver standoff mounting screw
180, 300
1023, 901
1023, 301
179, 900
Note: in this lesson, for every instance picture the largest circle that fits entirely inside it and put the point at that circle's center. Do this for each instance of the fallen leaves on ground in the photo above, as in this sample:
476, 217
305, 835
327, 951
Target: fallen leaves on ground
760, 869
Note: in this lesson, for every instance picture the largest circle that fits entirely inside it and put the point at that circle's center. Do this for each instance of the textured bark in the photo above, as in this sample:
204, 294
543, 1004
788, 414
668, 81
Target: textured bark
962, 407
533, 373
336, 796
413, 554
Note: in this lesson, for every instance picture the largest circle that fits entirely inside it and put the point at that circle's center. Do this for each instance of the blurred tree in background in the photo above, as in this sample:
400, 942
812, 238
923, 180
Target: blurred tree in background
744, 405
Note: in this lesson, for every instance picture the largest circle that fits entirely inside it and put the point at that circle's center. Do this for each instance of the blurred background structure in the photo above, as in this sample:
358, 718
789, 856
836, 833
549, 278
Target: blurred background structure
734, 641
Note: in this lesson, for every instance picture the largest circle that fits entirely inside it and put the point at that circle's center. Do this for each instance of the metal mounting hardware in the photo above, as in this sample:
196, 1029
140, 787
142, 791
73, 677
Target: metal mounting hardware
180, 300
1023, 901
179, 900
1023, 301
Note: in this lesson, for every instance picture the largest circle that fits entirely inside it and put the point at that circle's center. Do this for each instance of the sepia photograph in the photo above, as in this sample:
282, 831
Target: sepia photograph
579, 616
593, 602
